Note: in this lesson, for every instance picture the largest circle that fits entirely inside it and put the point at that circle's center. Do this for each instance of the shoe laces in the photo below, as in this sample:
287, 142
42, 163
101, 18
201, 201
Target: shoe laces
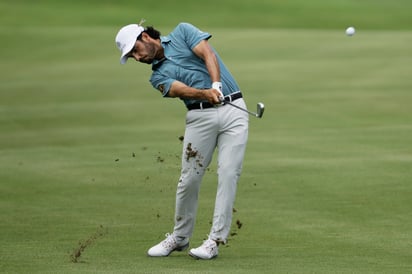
209, 245
169, 242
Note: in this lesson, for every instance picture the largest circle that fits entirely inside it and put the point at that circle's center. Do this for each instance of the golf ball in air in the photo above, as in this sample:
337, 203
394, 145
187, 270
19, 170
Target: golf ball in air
350, 31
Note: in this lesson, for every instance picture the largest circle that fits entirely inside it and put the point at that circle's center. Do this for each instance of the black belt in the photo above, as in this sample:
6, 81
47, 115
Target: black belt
202, 105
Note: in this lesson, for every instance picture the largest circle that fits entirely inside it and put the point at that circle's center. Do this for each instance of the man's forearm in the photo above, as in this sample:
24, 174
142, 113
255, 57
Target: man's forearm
179, 89
206, 53
212, 66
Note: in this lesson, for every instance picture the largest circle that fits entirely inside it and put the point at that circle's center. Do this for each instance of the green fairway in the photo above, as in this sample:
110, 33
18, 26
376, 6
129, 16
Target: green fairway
90, 152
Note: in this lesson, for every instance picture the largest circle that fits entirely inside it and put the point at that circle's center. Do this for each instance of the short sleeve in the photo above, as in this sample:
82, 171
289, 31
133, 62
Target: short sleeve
192, 35
161, 82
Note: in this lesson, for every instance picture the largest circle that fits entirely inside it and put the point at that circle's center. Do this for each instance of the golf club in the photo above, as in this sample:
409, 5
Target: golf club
259, 113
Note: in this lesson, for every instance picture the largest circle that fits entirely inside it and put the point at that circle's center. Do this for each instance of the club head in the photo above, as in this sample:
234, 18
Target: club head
260, 110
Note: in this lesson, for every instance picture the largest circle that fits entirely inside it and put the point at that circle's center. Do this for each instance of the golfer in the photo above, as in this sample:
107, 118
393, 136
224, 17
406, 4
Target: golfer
186, 66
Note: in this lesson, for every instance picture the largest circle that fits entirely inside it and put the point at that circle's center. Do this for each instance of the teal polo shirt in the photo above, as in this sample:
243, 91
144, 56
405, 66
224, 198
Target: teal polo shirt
181, 63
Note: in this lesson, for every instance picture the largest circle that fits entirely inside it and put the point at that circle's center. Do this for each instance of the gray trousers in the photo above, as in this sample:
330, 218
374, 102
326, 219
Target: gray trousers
225, 128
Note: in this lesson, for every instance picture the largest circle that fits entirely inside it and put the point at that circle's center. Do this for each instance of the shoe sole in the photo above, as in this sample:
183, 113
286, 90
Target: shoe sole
199, 258
180, 248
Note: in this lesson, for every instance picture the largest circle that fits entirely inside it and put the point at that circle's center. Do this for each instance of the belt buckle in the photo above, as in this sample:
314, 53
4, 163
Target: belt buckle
229, 97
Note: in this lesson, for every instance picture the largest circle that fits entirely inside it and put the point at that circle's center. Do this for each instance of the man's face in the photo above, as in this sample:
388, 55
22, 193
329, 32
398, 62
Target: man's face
144, 51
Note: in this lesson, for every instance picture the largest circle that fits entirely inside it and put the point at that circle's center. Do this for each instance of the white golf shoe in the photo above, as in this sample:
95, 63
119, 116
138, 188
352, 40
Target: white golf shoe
208, 250
167, 246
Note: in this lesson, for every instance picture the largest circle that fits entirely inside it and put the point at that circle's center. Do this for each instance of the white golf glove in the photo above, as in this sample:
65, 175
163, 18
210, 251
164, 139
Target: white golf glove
218, 86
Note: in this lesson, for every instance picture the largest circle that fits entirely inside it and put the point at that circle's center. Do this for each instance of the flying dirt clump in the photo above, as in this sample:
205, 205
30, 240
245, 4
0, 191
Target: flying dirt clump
77, 252
190, 152
239, 224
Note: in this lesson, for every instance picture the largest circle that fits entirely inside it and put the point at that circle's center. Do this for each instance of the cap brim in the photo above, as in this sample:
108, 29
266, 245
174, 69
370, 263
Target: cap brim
124, 57
123, 60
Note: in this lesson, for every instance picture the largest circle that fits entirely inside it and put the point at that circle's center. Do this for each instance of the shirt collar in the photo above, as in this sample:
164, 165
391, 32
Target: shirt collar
163, 40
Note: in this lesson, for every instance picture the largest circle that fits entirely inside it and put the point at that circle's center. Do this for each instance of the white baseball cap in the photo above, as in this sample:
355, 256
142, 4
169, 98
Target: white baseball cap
126, 39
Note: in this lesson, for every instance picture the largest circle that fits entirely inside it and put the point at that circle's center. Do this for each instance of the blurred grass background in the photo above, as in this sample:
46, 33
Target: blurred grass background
316, 14
86, 143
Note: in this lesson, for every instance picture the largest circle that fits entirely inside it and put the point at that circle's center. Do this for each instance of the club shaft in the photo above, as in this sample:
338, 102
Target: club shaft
250, 112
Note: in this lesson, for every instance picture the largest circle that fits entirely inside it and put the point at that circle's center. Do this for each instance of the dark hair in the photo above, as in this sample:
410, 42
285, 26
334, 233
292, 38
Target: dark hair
153, 33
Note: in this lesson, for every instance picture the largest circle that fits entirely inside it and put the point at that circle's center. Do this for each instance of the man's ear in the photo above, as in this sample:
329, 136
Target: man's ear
145, 36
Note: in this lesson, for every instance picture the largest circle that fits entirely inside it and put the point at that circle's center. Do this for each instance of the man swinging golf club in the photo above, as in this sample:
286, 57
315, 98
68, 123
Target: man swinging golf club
186, 66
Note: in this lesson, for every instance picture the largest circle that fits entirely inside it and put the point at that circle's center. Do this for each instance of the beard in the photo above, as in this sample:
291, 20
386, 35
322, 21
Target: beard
151, 53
